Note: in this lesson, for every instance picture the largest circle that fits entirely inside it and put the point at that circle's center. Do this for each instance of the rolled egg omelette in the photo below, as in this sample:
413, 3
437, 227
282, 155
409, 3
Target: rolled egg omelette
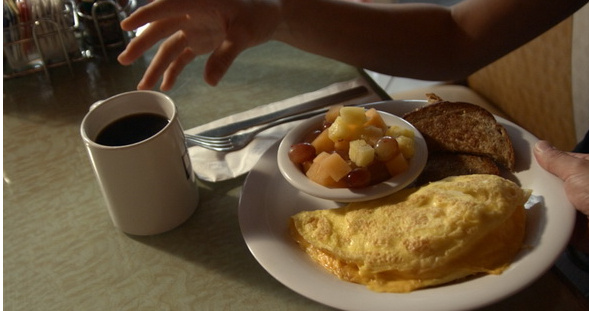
417, 238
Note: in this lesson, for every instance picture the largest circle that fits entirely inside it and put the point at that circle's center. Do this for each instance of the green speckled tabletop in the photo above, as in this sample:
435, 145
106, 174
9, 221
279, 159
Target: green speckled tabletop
61, 251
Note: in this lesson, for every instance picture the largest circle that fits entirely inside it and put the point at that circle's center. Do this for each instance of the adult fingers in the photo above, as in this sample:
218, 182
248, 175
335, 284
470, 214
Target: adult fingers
584, 156
156, 10
148, 38
553, 160
220, 61
176, 68
572, 168
168, 51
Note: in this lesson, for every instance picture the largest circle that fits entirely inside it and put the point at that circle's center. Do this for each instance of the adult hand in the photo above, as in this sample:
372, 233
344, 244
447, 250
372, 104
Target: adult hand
572, 168
191, 28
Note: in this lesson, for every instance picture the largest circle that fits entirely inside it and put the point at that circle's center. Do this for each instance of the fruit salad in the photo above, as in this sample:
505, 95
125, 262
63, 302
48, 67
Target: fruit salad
354, 148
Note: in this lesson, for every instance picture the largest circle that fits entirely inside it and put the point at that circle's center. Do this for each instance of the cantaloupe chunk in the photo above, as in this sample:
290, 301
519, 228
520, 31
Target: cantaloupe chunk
342, 148
315, 171
322, 143
336, 166
327, 166
332, 113
316, 174
373, 118
397, 165
321, 156
361, 153
306, 165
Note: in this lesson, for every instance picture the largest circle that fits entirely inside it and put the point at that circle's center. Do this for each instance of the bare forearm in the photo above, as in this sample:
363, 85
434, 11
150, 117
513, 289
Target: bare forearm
418, 40
412, 40
376, 37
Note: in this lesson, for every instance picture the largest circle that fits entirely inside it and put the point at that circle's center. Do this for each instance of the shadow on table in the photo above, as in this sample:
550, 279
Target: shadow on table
212, 239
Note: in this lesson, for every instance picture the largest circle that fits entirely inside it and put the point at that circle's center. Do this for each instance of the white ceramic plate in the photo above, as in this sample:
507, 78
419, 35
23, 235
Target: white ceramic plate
293, 174
268, 200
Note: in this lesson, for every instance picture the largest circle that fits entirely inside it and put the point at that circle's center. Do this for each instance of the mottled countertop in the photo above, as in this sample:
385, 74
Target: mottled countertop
61, 251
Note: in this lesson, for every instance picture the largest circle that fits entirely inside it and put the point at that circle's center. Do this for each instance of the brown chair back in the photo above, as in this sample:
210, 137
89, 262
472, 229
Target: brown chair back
532, 85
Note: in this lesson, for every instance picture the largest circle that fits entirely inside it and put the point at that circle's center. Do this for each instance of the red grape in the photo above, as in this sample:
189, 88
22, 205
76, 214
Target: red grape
311, 136
301, 152
358, 178
386, 148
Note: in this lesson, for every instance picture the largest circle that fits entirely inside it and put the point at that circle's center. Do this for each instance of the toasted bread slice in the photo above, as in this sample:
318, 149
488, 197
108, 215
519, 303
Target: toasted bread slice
444, 164
463, 128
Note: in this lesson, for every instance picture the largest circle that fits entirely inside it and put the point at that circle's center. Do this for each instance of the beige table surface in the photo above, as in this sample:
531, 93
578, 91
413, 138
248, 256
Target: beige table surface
61, 252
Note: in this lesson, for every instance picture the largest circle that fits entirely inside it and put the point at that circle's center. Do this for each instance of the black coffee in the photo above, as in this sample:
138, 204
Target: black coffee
131, 129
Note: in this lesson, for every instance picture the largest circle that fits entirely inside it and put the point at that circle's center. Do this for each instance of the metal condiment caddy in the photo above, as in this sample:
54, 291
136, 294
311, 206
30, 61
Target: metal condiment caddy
40, 34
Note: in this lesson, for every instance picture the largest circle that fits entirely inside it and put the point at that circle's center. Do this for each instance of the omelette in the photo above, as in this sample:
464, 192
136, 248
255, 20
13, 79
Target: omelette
419, 237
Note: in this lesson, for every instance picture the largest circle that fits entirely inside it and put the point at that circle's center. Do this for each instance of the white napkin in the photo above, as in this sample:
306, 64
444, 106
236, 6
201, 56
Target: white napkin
217, 166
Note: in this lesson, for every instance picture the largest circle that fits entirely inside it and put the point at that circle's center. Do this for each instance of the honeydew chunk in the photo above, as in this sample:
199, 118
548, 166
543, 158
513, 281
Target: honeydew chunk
353, 115
340, 130
322, 143
361, 153
407, 146
375, 119
397, 131
397, 165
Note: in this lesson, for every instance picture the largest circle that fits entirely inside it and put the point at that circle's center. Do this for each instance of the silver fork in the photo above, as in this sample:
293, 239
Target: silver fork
238, 141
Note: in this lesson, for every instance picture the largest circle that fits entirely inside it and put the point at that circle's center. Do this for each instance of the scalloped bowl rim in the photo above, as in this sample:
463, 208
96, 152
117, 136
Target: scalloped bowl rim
300, 181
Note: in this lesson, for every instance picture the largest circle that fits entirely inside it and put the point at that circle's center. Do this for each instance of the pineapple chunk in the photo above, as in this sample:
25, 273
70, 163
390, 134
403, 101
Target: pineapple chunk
340, 130
361, 153
407, 146
397, 131
397, 165
353, 115
371, 134
322, 143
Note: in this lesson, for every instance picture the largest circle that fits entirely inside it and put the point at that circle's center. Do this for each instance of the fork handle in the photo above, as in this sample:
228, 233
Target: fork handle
294, 110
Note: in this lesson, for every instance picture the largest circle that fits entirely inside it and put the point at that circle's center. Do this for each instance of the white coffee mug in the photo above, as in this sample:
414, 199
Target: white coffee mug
148, 185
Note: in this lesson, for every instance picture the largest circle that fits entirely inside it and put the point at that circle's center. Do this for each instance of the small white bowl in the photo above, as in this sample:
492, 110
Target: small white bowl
298, 179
